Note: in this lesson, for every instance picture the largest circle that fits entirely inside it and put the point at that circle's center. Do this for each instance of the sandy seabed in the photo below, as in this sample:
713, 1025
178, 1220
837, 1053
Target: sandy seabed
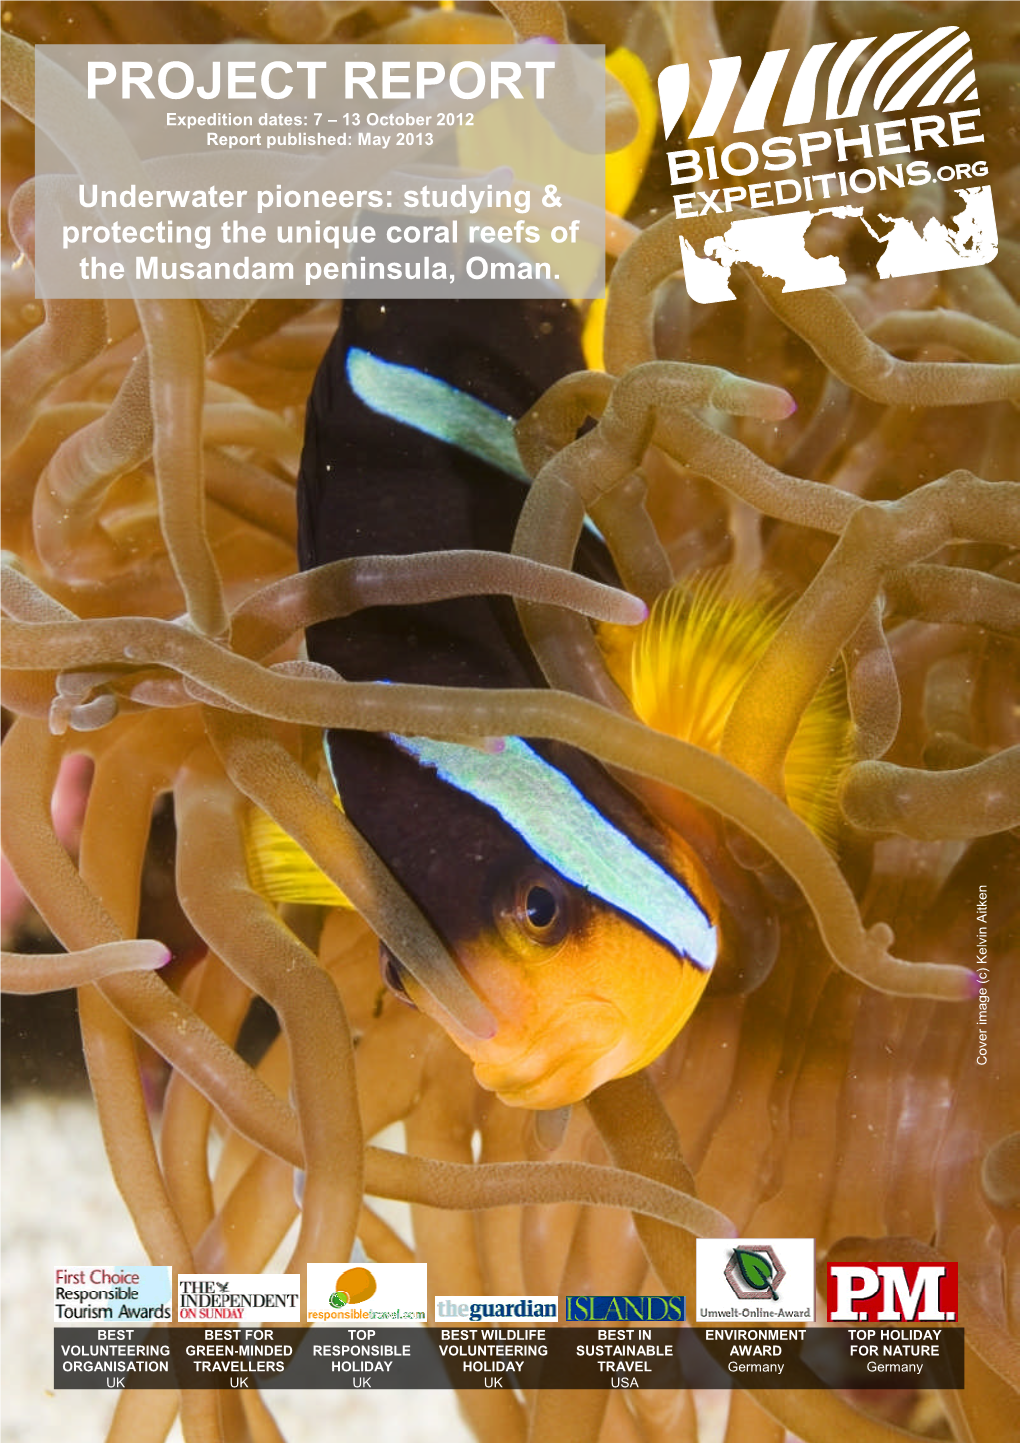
60, 1208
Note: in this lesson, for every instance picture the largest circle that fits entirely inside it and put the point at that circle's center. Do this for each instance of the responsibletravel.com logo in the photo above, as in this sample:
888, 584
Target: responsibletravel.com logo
838, 164
386, 1294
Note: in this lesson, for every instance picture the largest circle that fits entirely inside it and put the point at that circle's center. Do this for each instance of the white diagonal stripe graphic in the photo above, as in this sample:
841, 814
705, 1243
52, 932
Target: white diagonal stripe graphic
906, 61
801, 105
761, 91
725, 74
860, 86
907, 91
933, 60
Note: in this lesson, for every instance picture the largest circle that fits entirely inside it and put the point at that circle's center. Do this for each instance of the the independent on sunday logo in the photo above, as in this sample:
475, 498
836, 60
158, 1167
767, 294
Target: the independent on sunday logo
238, 1297
921, 83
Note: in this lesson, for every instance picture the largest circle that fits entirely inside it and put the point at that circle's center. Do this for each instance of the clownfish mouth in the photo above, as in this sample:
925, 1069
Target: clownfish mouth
541, 1068
564, 1061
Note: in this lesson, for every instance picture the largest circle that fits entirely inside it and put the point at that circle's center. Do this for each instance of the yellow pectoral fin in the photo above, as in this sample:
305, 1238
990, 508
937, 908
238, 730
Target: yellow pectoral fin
281, 870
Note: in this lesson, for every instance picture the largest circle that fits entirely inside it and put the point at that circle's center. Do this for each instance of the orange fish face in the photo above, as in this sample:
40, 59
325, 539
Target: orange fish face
580, 993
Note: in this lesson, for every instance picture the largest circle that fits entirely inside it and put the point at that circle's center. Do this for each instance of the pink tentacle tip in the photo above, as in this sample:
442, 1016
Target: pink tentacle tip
638, 611
494, 746
475, 1018
974, 985
774, 403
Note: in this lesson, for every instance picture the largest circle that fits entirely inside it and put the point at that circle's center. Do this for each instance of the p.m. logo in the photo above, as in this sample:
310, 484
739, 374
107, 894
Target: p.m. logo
892, 1292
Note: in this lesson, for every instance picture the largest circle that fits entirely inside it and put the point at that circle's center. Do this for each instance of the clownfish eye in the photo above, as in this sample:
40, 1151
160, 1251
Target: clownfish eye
393, 975
541, 907
535, 908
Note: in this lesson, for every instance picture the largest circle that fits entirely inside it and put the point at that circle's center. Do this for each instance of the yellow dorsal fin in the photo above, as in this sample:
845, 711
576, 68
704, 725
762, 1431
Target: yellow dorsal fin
624, 168
593, 335
684, 667
281, 870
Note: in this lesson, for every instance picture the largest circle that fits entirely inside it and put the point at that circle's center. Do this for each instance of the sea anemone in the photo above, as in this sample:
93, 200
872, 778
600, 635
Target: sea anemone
154, 626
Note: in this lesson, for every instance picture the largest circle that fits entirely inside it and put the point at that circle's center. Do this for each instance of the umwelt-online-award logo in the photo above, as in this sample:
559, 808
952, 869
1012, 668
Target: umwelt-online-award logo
755, 1280
880, 135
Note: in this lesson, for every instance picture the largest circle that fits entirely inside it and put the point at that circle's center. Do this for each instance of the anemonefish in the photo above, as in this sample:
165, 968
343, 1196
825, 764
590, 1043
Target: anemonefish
587, 927
588, 931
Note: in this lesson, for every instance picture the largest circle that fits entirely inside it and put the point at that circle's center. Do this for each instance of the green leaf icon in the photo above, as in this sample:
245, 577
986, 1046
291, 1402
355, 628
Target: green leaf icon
339, 1300
756, 1269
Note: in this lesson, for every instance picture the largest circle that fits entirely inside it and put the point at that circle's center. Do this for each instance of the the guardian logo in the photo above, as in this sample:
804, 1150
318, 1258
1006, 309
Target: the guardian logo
832, 169
502, 1309
892, 1292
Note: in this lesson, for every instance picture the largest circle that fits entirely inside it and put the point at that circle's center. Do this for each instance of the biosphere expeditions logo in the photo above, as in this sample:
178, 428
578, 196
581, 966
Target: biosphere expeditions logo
754, 1280
798, 146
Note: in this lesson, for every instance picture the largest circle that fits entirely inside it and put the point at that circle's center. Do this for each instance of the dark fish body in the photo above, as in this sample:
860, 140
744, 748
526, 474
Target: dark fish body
488, 875
394, 490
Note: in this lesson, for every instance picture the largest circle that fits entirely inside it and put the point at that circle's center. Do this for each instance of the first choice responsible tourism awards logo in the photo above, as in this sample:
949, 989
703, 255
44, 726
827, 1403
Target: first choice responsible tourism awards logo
134, 1293
912, 168
751, 1280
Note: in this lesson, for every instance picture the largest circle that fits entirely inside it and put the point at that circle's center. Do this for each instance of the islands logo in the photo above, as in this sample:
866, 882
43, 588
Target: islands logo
755, 1280
381, 1294
625, 1308
891, 126
892, 1292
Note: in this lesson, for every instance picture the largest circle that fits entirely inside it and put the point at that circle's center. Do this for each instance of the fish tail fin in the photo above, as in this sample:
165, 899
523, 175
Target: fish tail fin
281, 870
684, 667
